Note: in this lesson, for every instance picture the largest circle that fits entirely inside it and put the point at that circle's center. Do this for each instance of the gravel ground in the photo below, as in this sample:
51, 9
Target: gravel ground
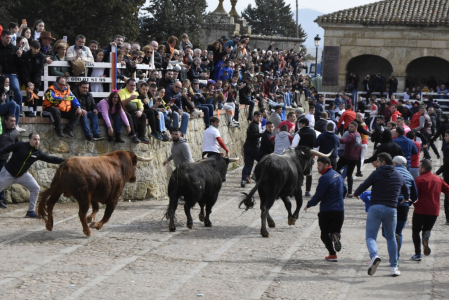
134, 256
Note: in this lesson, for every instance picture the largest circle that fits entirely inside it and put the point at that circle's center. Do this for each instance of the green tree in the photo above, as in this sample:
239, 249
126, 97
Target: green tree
97, 20
165, 18
272, 17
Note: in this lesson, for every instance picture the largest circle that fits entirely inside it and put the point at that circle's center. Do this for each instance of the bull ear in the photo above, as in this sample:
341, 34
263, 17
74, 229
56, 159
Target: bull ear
134, 159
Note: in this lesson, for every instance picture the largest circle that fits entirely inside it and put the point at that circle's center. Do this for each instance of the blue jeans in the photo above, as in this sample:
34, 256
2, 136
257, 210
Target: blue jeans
117, 124
93, 120
210, 100
2, 193
15, 87
250, 155
162, 121
12, 108
414, 172
387, 216
208, 110
184, 121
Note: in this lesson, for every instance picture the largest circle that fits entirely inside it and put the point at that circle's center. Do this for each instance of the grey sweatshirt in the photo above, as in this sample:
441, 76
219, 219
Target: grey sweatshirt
180, 152
281, 142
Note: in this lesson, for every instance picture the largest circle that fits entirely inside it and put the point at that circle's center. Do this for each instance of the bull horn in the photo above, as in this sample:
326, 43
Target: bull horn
233, 159
317, 153
140, 158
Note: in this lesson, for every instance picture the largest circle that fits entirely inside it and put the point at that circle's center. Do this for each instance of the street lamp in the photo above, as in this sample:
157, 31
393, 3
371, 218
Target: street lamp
317, 44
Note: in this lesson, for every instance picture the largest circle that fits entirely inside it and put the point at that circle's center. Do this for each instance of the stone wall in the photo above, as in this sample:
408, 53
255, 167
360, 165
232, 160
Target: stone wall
152, 177
399, 45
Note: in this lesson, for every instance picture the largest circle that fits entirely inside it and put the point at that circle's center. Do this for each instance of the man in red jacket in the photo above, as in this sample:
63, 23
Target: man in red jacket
348, 116
427, 208
394, 112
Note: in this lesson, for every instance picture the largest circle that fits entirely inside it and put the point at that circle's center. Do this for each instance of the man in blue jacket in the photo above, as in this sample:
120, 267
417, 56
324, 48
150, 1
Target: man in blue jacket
328, 142
330, 192
387, 184
407, 145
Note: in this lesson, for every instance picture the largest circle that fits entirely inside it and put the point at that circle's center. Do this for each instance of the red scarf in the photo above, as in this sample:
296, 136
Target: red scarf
325, 170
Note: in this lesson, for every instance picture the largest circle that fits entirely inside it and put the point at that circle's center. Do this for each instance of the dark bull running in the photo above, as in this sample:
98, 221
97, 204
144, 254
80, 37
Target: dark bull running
281, 176
198, 182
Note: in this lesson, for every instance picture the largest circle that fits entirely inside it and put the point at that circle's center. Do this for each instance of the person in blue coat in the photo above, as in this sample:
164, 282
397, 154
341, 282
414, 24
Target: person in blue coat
407, 145
329, 142
330, 192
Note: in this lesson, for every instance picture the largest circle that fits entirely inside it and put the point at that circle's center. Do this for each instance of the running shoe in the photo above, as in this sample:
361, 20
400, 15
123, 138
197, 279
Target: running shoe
395, 271
331, 258
373, 265
427, 250
417, 257
336, 240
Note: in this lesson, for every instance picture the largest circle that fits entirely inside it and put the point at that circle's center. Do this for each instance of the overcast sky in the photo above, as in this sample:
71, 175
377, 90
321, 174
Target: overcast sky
325, 6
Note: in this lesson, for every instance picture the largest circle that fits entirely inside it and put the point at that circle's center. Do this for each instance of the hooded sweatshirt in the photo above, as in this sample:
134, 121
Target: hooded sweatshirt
282, 142
388, 146
180, 152
328, 142
387, 184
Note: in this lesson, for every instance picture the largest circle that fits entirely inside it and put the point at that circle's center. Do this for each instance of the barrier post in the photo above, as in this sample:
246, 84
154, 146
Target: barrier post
113, 60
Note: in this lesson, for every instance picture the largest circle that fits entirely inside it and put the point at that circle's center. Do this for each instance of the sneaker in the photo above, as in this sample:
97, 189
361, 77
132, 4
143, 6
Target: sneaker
20, 129
307, 194
144, 140
32, 115
331, 258
427, 250
235, 121
395, 271
294, 105
181, 201
165, 137
31, 214
89, 138
336, 240
359, 174
373, 265
243, 184
59, 133
417, 257
2, 204
68, 132
447, 223
154, 135
248, 179
233, 125
97, 137
196, 113
135, 139
288, 107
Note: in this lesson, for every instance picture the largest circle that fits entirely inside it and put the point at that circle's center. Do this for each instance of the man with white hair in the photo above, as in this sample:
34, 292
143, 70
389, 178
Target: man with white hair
135, 47
157, 56
197, 53
400, 165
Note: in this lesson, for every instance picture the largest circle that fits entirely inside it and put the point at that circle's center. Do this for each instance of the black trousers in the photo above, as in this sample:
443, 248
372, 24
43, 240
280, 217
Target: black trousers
308, 183
330, 222
57, 115
153, 121
187, 104
426, 150
351, 166
421, 223
236, 112
333, 162
138, 125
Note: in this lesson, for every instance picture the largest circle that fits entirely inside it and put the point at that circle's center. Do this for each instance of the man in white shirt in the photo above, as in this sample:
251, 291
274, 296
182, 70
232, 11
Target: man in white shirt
79, 51
310, 116
212, 140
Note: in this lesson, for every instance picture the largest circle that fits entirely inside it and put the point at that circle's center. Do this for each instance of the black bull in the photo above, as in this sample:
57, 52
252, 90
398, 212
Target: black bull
281, 176
200, 182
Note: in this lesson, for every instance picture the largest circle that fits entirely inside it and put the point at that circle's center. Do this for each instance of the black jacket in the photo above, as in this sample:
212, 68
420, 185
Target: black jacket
441, 130
252, 136
445, 167
23, 156
87, 101
362, 130
165, 83
387, 146
157, 60
320, 125
10, 62
33, 68
266, 146
307, 137
8, 137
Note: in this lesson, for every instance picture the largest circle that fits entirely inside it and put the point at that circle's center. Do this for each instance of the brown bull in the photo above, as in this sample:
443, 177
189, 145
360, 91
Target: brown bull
90, 180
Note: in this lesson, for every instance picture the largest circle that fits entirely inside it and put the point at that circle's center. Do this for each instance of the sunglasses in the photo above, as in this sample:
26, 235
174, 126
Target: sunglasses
177, 87
150, 52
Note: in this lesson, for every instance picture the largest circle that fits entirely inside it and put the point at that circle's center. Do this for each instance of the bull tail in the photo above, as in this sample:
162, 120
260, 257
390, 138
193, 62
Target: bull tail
248, 199
50, 195
43, 205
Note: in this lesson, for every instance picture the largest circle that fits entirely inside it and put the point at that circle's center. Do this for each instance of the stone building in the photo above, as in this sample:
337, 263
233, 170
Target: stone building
407, 38
219, 23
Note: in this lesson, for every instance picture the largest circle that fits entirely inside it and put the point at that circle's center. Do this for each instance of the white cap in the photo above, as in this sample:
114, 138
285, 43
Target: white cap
400, 160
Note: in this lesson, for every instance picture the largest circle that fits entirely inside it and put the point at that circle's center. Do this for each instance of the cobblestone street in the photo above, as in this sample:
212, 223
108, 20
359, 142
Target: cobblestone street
134, 256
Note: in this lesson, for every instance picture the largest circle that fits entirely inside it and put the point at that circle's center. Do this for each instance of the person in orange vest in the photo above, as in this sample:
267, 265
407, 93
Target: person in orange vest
59, 102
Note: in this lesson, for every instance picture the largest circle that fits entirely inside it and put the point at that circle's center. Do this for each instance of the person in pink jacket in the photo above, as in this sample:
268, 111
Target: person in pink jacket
112, 108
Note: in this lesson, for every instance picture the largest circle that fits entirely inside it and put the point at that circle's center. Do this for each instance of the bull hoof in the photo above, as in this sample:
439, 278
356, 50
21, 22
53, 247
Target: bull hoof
272, 225
201, 217
189, 226
90, 219
291, 221
96, 226
49, 227
172, 229
265, 234
208, 224
88, 233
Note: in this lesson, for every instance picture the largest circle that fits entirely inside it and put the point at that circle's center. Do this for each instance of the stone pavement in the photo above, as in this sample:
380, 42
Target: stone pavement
134, 256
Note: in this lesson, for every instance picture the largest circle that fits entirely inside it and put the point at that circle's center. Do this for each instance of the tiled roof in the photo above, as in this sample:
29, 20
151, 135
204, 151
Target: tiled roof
394, 12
